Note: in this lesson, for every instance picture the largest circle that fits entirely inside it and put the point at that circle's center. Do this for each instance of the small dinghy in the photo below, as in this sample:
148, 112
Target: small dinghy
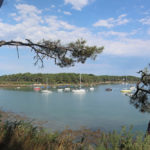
108, 89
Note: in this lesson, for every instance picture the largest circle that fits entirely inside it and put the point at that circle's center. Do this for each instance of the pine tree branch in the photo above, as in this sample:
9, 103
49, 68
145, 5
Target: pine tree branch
63, 55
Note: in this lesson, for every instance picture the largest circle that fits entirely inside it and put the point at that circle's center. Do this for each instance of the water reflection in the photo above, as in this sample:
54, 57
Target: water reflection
46, 96
95, 109
79, 96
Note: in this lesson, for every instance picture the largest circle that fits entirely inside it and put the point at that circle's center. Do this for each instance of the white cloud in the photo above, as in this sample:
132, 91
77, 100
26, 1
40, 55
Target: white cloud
67, 13
128, 47
56, 24
18, 1
142, 6
117, 34
53, 6
33, 25
77, 4
148, 31
30, 24
59, 10
147, 12
25, 9
113, 33
13, 14
111, 22
145, 20
28, 13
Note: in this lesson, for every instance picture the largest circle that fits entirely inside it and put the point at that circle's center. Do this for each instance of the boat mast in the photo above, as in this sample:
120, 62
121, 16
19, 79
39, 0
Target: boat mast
47, 83
126, 82
80, 80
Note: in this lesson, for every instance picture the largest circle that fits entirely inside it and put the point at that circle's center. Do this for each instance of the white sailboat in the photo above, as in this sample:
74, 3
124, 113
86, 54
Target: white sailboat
126, 90
67, 89
46, 90
132, 88
91, 88
80, 90
59, 90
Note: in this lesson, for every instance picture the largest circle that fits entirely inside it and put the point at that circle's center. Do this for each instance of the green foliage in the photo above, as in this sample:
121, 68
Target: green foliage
63, 55
82, 52
70, 78
24, 136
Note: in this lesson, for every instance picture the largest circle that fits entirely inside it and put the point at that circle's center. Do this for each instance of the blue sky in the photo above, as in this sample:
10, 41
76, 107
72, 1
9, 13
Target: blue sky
121, 26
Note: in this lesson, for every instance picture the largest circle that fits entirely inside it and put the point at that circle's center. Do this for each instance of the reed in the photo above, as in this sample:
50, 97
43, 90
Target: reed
21, 135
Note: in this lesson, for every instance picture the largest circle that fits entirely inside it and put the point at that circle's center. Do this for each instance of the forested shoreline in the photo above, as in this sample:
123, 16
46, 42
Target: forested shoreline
61, 78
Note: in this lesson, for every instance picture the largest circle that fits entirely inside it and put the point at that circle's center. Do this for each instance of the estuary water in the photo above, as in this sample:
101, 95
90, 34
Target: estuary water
96, 109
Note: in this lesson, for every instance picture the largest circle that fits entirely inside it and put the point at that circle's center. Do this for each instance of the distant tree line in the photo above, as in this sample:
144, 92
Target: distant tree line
61, 78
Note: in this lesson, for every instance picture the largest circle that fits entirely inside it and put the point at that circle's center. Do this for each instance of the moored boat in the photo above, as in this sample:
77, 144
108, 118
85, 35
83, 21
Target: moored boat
108, 89
132, 88
126, 91
67, 89
91, 88
46, 91
59, 90
37, 88
80, 90
18, 87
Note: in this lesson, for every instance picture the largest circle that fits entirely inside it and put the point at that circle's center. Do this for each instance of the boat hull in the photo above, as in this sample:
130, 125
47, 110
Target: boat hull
80, 91
126, 91
37, 88
59, 90
46, 91
91, 89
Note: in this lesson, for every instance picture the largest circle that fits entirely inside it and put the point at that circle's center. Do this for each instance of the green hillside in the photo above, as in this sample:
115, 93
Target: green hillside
61, 78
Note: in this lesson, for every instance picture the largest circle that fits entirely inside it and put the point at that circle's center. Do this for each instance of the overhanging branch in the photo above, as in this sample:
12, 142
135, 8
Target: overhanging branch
63, 55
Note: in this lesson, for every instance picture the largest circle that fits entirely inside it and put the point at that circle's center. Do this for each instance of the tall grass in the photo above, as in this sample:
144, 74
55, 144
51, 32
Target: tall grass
23, 136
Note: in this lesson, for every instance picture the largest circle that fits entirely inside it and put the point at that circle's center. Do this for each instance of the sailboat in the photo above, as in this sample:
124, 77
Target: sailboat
60, 90
67, 89
91, 88
37, 88
132, 88
125, 90
80, 90
46, 91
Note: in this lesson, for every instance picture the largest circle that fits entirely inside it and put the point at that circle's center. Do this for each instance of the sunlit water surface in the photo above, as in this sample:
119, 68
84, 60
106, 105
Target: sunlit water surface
97, 109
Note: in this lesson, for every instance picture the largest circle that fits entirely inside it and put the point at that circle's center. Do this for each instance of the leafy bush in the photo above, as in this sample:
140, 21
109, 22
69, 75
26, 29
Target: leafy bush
23, 136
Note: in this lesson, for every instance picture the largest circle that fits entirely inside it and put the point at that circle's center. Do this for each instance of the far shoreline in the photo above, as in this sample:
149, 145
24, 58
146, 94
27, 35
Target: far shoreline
15, 84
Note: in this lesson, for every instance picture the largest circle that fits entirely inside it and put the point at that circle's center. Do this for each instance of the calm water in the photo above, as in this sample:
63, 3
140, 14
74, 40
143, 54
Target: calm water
97, 109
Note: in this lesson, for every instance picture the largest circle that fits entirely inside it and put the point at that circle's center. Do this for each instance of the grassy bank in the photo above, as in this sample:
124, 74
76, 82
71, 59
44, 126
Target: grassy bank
23, 136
